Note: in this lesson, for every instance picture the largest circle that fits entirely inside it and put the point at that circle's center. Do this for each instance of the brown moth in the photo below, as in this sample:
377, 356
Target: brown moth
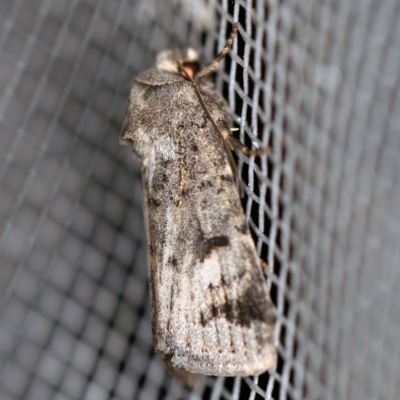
211, 310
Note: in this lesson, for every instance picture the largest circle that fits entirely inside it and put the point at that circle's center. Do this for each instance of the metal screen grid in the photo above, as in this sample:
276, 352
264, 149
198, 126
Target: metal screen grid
316, 81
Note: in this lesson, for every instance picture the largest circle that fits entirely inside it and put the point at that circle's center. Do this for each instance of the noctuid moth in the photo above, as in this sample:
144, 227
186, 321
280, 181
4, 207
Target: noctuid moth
211, 310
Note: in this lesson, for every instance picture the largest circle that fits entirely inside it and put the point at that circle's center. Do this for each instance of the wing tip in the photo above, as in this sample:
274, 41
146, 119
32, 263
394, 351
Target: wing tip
226, 364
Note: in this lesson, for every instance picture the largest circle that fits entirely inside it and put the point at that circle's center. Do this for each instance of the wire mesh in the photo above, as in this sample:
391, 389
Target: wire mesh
316, 81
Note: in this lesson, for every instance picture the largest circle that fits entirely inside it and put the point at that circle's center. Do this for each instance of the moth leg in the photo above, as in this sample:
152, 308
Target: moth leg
245, 150
185, 377
265, 265
213, 65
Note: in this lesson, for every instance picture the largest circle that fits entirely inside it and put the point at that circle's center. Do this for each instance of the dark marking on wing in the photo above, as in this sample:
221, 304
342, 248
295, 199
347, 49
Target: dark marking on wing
204, 246
199, 126
252, 306
153, 305
206, 184
171, 305
152, 202
162, 335
203, 319
242, 228
173, 261
164, 164
228, 309
225, 282
160, 182
214, 310
227, 178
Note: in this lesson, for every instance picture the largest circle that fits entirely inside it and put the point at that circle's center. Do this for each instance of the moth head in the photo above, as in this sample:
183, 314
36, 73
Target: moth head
176, 60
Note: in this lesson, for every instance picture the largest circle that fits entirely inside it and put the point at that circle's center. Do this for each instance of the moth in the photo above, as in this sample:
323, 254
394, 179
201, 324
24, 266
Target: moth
211, 310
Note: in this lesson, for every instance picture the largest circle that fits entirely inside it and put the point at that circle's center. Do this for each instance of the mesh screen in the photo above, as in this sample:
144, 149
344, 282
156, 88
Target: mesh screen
316, 81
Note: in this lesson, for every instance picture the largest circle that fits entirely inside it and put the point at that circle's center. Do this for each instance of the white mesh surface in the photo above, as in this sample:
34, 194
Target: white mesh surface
317, 81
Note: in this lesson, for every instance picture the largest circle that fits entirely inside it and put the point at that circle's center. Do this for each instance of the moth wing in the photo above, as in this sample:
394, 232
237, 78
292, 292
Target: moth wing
211, 310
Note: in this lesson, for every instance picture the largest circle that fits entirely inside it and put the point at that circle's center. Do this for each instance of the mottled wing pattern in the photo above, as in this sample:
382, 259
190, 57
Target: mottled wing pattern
211, 309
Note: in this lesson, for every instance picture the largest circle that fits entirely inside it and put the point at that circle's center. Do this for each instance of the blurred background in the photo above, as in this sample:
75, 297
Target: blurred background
316, 81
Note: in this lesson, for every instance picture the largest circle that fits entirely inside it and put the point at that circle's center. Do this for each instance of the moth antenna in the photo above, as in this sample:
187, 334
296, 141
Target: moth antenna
213, 65
228, 141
